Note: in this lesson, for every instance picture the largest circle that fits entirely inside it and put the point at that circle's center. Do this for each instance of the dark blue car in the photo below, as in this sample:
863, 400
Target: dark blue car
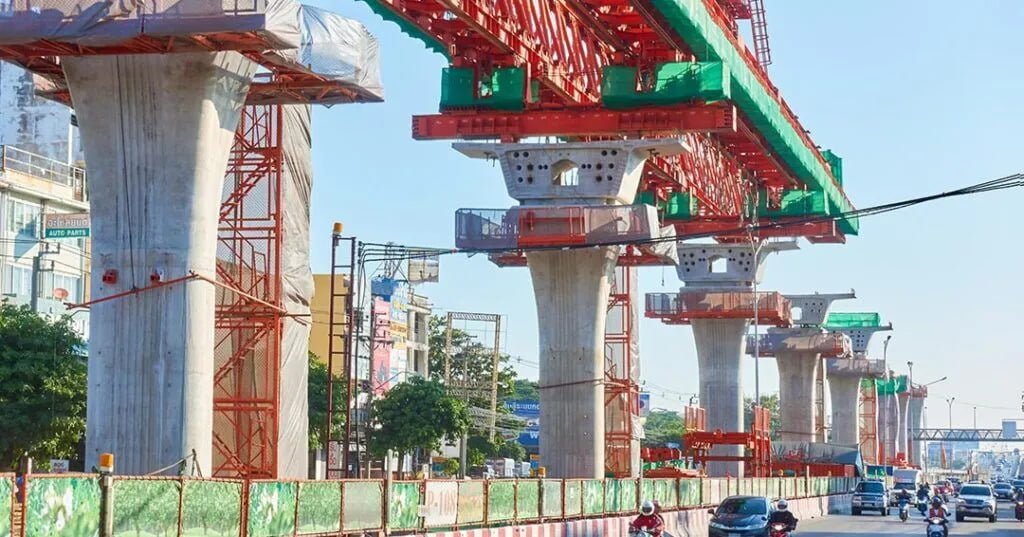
741, 516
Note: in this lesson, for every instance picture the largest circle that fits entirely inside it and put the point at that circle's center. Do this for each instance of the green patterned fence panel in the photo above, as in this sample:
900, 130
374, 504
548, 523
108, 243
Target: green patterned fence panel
319, 507
528, 500
552, 499
593, 497
62, 507
211, 509
501, 500
471, 503
146, 507
627, 496
6, 489
646, 489
705, 492
272, 508
404, 506
689, 492
665, 493
573, 494
612, 491
362, 505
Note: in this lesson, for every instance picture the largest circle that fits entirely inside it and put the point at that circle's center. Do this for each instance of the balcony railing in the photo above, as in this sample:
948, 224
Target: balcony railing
45, 168
543, 226
687, 305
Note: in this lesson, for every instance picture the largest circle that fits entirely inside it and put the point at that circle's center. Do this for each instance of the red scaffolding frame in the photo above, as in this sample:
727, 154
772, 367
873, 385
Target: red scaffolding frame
757, 445
621, 390
249, 314
868, 416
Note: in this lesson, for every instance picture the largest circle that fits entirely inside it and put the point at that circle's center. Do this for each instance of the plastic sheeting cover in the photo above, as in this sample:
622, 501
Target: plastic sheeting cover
99, 23
297, 284
340, 48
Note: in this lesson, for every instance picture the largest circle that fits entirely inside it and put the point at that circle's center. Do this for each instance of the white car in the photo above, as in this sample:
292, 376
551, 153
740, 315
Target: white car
976, 500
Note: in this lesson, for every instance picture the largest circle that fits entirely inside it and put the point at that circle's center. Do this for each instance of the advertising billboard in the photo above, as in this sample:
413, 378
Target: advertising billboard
528, 410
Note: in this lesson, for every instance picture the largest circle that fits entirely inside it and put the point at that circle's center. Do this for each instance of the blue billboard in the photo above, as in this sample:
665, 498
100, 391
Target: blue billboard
529, 411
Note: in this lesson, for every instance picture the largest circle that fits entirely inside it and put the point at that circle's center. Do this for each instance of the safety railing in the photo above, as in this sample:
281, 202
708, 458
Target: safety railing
45, 168
544, 226
772, 307
258, 508
829, 345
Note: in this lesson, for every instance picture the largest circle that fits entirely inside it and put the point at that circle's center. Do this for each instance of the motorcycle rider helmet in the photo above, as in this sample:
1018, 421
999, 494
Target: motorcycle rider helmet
647, 508
936, 502
782, 505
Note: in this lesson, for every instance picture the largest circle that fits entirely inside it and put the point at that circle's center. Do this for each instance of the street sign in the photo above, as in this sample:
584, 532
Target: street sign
67, 226
59, 466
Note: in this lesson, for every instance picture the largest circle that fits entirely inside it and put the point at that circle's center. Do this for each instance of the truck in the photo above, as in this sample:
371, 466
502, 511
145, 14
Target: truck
904, 479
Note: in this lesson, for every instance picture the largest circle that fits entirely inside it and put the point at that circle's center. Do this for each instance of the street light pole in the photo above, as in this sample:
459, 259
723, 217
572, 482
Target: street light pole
975, 418
888, 400
949, 401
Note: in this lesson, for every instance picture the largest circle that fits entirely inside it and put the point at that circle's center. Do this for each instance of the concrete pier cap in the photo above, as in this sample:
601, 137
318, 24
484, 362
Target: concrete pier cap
571, 284
713, 273
844, 378
798, 352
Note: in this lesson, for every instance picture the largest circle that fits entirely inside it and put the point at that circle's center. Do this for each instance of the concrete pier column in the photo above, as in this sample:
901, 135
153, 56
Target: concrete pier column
798, 378
720, 347
903, 400
571, 289
844, 390
888, 425
915, 416
157, 131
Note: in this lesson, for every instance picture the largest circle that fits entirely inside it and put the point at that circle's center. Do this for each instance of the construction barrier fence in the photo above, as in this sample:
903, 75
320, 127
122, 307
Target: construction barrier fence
71, 505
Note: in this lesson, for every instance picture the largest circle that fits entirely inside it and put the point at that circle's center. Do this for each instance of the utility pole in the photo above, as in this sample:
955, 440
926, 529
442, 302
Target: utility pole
888, 400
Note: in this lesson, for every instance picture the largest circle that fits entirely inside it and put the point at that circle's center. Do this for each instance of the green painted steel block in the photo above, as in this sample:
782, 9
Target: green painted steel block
673, 83
501, 500
844, 320
504, 90
681, 206
528, 499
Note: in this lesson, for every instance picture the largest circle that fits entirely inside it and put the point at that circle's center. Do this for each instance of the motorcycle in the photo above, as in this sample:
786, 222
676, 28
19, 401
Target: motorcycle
922, 506
639, 532
1018, 511
904, 510
936, 527
779, 530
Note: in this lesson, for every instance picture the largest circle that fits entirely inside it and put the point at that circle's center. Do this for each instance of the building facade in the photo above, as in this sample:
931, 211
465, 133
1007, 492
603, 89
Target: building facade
42, 181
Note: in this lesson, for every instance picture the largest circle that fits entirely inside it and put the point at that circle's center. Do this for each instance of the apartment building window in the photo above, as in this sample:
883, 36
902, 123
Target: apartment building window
18, 280
69, 283
23, 219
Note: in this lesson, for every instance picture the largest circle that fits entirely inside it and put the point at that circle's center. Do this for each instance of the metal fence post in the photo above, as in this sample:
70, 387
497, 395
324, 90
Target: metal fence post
106, 505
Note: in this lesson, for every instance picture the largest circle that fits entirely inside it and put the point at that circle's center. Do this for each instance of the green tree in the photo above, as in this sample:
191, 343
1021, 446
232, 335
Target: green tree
317, 392
418, 413
771, 402
663, 426
525, 389
42, 386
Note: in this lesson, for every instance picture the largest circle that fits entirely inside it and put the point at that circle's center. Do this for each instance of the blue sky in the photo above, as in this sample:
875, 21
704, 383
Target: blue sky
917, 97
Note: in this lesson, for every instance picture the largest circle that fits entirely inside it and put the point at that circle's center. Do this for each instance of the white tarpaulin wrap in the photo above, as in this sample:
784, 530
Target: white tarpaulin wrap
340, 48
297, 284
98, 22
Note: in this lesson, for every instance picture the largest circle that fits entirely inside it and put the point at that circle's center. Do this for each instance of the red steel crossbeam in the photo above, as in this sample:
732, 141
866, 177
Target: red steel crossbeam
597, 122
730, 229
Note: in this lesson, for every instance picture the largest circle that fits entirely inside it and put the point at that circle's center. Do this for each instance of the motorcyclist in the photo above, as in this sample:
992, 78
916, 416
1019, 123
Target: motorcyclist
1018, 495
648, 519
938, 510
782, 515
924, 491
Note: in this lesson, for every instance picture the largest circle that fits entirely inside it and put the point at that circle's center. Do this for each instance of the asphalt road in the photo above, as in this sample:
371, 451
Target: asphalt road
873, 524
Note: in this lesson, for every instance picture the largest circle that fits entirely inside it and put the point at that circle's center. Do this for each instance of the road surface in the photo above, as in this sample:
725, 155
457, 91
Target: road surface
873, 524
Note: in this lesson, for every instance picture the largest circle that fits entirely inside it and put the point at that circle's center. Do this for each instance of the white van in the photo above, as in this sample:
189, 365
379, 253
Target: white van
904, 479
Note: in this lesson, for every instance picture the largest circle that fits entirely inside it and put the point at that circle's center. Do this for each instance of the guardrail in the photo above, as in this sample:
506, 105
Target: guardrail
45, 168
71, 504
